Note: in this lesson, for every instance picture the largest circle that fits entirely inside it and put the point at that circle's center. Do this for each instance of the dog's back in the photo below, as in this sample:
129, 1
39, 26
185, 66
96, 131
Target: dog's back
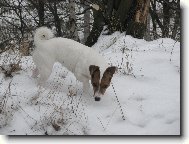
71, 53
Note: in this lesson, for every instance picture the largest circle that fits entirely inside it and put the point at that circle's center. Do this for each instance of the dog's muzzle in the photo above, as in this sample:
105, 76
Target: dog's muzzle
97, 96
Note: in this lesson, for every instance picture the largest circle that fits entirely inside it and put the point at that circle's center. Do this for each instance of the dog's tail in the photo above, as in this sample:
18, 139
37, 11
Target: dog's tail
41, 34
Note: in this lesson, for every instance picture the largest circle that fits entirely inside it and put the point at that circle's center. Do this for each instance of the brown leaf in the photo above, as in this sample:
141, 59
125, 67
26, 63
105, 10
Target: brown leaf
56, 127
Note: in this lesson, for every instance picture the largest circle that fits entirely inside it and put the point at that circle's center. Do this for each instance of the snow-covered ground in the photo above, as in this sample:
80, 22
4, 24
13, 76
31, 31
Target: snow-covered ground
147, 86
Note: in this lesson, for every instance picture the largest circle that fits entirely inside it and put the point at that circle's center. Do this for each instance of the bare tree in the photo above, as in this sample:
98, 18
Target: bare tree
40, 6
19, 18
73, 34
176, 27
86, 23
166, 18
53, 8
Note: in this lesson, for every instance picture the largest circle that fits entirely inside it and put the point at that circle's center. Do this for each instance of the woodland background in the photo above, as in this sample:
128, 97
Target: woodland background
84, 20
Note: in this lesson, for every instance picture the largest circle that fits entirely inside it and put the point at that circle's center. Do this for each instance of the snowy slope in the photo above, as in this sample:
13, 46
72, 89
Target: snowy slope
147, 86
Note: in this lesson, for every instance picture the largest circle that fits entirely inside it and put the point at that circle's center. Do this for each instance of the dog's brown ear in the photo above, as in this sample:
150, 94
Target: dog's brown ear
111, 70
93, 68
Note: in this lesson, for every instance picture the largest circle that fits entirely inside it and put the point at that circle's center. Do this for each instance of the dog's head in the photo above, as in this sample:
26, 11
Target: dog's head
100, 85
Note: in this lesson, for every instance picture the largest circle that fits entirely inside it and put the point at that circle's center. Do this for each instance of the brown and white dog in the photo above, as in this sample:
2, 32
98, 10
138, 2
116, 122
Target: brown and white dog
83, 61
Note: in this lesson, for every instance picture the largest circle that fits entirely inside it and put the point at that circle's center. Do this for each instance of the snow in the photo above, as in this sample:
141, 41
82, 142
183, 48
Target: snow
147, 85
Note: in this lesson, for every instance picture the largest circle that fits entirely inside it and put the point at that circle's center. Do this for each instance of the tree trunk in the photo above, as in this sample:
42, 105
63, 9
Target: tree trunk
53, 8
120, 15
21, 28
73, 34
166, 19
129, 16
147, 33
124, 11
176, 24
97, 28
41, 12
57, 21
114, 14
137, 27
86, 24
175, 28
154, 24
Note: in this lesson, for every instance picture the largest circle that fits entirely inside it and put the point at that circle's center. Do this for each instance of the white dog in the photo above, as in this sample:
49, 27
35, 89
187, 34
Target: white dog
85, 63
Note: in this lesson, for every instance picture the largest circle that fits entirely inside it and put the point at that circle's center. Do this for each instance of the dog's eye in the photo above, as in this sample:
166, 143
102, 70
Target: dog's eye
43, 35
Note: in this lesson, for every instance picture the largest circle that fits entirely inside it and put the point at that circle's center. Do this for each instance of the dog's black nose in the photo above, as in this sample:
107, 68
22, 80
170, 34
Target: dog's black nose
97, 98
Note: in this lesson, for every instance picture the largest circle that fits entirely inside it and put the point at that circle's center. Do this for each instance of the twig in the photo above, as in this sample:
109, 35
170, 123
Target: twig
83, 11
5, 97
119, 104
172, 50
27, 113
101, 123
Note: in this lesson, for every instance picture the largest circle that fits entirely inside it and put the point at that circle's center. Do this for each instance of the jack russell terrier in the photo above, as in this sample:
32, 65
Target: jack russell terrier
84, 62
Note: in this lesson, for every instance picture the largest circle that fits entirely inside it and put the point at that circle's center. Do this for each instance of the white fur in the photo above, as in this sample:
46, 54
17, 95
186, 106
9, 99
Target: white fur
41, 34
75, 56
